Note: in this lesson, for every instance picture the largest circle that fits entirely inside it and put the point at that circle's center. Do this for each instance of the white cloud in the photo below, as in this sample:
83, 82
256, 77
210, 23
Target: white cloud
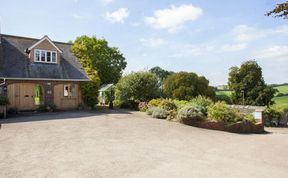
174, 17
234, 47
244, 33
282, 29
153, 42
117, 16
273, 52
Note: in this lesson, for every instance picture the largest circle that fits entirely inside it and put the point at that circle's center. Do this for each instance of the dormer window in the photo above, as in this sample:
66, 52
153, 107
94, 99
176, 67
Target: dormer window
45, 56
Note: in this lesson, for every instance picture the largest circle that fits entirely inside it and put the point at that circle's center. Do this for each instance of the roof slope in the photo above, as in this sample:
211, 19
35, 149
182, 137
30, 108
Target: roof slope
15, 64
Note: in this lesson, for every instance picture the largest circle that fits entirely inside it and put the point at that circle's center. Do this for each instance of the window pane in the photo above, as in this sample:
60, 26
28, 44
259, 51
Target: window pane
66, 90
54, 57
43, 56
36, 55
48, 56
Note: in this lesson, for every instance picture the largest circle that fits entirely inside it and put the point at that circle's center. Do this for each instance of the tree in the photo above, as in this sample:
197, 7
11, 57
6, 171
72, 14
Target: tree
140, 86
185, 86
248, 86
161, 73
95, 53
281, 10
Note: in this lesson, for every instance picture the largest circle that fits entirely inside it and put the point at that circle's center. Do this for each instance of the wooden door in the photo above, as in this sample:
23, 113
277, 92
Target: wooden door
27, 96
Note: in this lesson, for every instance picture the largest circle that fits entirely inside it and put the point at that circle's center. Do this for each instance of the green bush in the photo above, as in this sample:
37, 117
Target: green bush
154, 102
202, 103
222, 112
142, 106
150, 110
223, 97
159, 113
272, 117
167, 105
130, 104
190, 113
180, 103
172, 114
250, 118
4, 101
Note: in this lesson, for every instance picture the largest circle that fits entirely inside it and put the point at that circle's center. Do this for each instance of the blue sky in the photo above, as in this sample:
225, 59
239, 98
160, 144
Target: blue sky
203, 36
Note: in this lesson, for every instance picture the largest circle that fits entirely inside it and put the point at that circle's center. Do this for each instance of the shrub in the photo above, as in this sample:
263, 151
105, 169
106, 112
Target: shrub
167, 105
130, 104
280, 94
250, 118
172, 114
180, 103
159, 113
142, 106
150, 110
272, 117
42, 108
188, 113
4, 101
202, 103
224, 98
154, 102
222, 112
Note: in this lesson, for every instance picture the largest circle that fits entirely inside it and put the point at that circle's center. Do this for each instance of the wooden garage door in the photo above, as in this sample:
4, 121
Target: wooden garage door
21, 96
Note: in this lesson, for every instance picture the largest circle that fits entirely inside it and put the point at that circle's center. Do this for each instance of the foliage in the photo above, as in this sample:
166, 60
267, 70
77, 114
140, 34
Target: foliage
150, 110
89, 91
223, 97
272, 117
202, 103
190, 113
222, 112
168, 105
4, 101
172, 114
143, 106
140, 86
159, 113
250, 118
160, 73
180, 103
154, 102
185, 86
46, 107
96, 55
248, 85
281, 10
128, 104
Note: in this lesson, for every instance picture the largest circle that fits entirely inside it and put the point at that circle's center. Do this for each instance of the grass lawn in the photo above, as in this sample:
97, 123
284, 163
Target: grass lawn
282, 89
224, 92
281, 101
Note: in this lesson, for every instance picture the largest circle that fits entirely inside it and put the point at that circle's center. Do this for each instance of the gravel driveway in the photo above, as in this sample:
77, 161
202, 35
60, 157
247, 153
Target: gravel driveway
130, 144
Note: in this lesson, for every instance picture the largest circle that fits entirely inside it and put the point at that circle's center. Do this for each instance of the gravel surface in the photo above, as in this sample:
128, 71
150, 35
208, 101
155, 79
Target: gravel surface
131, 144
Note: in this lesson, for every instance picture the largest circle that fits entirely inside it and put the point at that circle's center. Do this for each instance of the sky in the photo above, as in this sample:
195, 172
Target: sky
203, 36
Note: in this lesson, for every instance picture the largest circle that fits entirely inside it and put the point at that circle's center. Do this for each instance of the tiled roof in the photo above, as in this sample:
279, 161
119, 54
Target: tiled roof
15, 64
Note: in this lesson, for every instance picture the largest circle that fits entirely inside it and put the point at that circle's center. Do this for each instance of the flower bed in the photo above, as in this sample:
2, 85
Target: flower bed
203, 113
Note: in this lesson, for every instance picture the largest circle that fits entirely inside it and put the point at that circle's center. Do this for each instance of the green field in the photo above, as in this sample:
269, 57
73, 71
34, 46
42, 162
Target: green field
281, 102
282, 89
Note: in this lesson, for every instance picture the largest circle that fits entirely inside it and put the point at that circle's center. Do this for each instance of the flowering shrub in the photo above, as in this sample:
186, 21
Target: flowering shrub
143, 106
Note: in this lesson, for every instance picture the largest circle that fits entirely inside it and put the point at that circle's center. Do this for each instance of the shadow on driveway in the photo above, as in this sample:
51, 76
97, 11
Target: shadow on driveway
37, 116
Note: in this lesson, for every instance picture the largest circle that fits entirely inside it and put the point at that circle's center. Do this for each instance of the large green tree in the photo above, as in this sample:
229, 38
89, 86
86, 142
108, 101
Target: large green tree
140, 86
281, 10
248, 85
161, 73
187, 85
107, 61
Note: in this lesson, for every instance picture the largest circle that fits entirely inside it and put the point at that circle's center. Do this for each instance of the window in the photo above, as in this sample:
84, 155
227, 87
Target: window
48, 56
70, 91
45, 56
37, 56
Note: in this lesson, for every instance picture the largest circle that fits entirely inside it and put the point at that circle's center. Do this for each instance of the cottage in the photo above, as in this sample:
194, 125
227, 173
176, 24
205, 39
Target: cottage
39, 71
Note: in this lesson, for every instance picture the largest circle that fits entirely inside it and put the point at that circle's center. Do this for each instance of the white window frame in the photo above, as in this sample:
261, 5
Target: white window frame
44, 51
